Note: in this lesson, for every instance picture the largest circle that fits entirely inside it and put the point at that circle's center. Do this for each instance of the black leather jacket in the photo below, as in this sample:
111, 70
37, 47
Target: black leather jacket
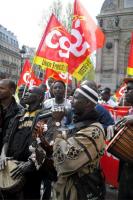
7, 118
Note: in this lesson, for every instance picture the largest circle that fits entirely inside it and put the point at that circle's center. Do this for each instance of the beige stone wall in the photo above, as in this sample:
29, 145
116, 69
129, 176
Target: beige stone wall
111, 62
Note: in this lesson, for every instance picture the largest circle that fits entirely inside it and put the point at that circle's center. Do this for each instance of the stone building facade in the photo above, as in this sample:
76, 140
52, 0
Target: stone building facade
10, 58
116, 21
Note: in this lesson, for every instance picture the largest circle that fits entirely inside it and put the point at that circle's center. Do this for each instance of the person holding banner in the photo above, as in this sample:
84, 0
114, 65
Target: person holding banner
77, 154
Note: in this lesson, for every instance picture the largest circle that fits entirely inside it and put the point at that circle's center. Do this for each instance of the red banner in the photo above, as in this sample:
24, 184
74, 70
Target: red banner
118, 111
86, 37
53, 51
120, 92
110, 167
58, 76
130, 58
109, 163
58, 49
27, 76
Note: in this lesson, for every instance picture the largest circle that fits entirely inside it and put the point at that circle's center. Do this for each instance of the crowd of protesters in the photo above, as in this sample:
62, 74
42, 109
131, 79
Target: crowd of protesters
57, 142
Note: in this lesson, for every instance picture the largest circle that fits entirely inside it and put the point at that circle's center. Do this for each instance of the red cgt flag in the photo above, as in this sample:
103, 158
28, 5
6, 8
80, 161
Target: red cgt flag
86, 37
53, 50
57, 76
130, 58
120, 91
27, 77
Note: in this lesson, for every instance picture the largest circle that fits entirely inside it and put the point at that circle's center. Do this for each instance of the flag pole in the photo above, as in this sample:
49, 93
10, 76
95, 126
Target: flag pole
66, 86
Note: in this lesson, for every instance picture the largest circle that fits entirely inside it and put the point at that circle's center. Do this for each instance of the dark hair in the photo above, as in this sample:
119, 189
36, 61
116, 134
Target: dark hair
11, 84
106, 90
59, 81
21, 88
42, 85
37, 90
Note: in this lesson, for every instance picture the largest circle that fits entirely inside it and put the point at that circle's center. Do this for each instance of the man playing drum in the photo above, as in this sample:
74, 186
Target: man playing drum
16, 146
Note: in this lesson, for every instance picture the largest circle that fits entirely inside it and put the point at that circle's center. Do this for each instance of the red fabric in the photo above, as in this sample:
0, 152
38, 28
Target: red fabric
86, 36
50, 45
57, 76
58, 45
118, 111
120, 91
27, 76
109, 163
110, 166
130, 58
72, 49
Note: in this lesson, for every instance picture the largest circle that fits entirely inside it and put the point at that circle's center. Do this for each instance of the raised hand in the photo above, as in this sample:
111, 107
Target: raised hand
39, 129
58, 113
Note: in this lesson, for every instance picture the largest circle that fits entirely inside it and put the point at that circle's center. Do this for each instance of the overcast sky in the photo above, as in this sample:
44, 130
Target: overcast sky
23, 17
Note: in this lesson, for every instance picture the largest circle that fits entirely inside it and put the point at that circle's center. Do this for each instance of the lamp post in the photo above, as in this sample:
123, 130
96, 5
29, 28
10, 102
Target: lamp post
22, 52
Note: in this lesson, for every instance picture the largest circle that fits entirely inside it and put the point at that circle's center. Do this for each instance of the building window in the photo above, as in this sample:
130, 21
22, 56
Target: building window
3, 35
6, 38
128, 3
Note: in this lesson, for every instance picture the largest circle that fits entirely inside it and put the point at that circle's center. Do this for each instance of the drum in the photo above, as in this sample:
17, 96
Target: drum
7, 183
121, 145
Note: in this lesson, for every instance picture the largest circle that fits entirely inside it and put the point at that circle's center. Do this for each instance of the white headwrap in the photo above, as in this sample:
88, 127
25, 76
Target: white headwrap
89, 93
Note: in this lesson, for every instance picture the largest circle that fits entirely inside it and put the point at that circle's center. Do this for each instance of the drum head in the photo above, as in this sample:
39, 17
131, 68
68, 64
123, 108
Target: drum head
6, 181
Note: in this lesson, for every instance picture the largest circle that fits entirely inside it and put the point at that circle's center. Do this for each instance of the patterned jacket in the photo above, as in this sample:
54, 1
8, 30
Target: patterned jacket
79, 154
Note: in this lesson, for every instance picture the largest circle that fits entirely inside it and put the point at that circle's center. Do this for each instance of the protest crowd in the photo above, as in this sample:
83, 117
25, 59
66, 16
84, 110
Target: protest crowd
60, 141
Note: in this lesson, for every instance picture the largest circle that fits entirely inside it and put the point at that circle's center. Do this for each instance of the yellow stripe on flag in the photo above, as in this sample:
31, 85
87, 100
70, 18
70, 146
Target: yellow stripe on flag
84, 68
129, 70
45, 63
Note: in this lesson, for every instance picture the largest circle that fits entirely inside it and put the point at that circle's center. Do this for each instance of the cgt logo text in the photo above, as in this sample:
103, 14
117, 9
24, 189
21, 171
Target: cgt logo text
27, 78
66, 46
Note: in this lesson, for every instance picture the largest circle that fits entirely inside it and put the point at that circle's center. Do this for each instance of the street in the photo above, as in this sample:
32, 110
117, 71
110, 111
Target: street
111, 193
